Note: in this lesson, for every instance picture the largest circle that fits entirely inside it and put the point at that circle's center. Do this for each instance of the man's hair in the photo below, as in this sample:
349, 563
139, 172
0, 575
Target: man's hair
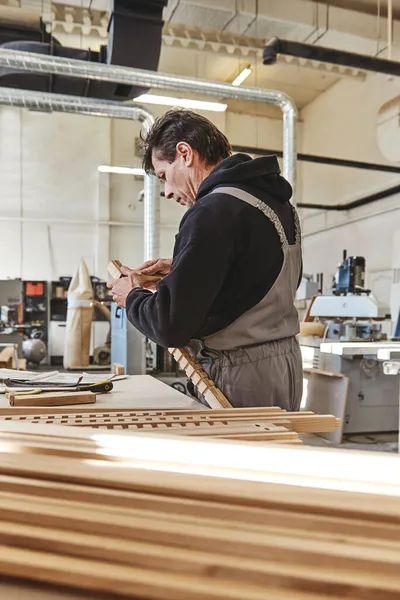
179, 125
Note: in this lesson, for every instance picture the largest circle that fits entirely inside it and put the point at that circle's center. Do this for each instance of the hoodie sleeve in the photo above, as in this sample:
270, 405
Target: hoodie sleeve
204, 251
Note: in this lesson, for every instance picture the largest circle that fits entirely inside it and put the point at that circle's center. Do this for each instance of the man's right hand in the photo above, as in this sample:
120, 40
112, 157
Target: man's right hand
159, 266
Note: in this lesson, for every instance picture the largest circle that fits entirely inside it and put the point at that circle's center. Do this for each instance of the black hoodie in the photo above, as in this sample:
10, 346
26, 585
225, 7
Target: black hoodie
227, 256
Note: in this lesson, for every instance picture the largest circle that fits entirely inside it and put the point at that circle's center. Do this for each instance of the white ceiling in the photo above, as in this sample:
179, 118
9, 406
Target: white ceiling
210, 40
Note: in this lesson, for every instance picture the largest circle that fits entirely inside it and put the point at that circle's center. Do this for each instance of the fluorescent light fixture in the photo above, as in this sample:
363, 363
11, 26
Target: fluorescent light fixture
120, 170
242, 76
182, 102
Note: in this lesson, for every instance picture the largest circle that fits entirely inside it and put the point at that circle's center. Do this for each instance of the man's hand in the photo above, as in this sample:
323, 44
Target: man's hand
147, 280
159, 266
121, 287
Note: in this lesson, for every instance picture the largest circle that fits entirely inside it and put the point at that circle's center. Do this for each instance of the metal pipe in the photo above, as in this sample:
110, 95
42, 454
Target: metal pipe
232, 18
89, 223
289, 164
390, 29
253, 20
378, 26
42, 101
138, 77
151, 218
173, 11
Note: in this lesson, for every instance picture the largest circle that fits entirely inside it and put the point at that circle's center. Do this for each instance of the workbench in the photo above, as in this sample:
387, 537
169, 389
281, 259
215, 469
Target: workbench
137, 391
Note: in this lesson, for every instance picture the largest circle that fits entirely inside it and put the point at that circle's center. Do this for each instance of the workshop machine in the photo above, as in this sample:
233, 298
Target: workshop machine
351, 313
356, 327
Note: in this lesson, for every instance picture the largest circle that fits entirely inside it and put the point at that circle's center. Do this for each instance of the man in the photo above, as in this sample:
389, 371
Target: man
229, 290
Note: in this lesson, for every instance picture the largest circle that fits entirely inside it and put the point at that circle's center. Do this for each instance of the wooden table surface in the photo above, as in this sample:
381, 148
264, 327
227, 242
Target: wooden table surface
137, 391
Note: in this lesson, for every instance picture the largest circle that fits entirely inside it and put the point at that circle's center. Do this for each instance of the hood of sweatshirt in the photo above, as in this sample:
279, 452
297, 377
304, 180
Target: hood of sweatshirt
262, 175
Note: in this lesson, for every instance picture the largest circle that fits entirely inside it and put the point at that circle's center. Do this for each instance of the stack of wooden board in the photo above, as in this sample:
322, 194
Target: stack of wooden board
253, 424
207, 520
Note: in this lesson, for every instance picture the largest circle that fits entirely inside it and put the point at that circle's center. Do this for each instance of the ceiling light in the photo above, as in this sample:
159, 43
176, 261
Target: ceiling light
120, 170
242, 76
182, 102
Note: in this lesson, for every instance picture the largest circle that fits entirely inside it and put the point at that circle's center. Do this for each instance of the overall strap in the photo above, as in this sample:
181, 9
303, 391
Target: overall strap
265, 209
257, 203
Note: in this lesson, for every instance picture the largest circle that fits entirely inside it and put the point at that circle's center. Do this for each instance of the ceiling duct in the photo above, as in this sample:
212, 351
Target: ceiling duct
134, 40
328, 55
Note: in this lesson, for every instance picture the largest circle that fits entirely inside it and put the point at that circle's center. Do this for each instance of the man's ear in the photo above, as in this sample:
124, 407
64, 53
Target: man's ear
186, 152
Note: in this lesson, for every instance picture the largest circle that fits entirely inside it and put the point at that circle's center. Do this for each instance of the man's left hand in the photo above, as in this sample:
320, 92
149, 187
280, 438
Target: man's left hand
121, 287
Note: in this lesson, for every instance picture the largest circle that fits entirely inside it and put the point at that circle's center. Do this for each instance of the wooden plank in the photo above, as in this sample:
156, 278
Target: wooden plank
352, 567
200, 534
60, 447
52, 399
132, 552
299, 524
121, 580
320, 491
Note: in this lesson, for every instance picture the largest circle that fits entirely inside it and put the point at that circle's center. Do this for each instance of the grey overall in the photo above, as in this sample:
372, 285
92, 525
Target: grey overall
256, 360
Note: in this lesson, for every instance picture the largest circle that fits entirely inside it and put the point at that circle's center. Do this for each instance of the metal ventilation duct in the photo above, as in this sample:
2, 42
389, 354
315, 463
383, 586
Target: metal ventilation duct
328, 55
135, 35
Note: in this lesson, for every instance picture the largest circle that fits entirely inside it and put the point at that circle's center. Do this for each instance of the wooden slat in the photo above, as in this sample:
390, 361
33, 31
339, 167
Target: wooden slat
300, 466
304, 423
311, 525
265, 559
124, 581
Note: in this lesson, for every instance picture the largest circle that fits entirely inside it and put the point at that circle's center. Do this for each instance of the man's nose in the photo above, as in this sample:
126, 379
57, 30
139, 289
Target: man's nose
168, 192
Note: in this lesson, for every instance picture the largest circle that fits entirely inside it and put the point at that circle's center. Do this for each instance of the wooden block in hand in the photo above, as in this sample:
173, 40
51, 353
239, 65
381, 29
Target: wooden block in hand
114, 268
52, 399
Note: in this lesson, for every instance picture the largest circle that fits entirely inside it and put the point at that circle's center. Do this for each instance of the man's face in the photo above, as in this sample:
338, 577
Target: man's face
178, 177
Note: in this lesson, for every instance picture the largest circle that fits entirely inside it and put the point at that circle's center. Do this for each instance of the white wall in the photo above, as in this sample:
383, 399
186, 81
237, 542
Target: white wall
48, 168
342, 123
